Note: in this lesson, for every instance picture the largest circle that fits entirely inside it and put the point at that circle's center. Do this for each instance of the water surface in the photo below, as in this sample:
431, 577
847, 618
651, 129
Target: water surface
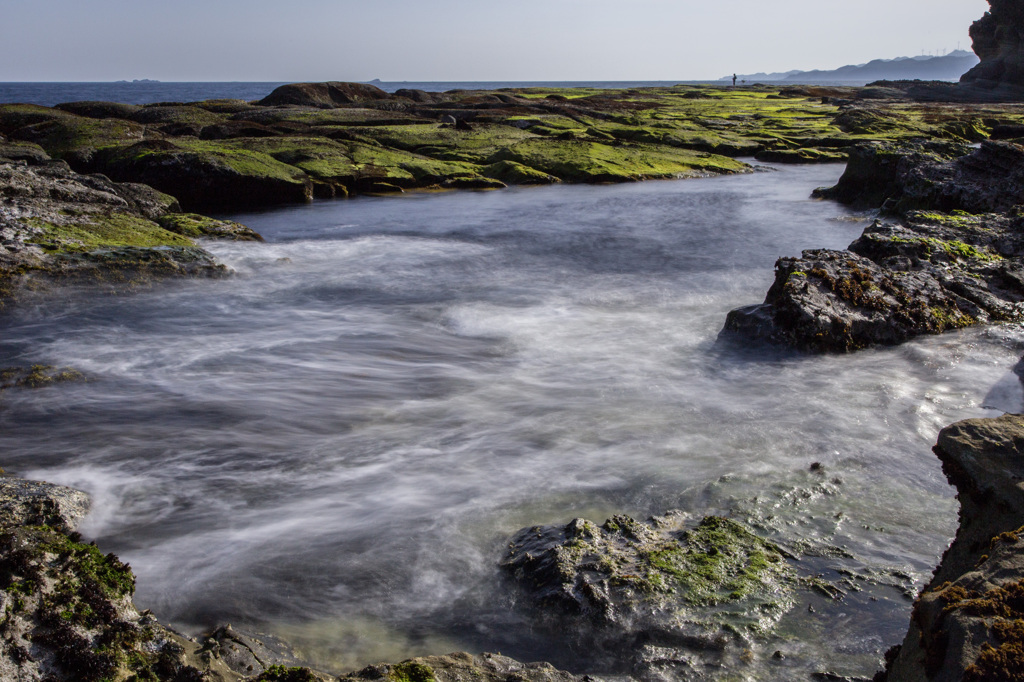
336, 443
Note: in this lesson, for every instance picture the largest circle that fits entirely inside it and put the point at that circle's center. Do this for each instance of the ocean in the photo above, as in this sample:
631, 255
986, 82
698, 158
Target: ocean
49, 94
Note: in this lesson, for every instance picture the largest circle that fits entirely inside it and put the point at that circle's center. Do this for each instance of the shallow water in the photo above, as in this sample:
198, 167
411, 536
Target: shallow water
335, 443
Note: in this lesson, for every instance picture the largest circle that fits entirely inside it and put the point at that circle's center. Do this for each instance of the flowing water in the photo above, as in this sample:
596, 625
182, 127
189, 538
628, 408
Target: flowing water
336, 443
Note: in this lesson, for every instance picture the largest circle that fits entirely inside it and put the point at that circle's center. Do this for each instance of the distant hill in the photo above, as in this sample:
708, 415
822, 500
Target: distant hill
946, 68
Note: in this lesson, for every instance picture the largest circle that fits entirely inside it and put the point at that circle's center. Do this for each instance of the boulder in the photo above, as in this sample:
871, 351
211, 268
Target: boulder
230, 129
926, 274
661, 595
58, 225
941, 176
37, 503
194, 225
28, 152
463, 667
418, 95
206, 177
323, 95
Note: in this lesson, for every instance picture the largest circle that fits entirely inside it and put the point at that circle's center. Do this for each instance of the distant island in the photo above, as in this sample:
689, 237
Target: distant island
945, 68
139, 80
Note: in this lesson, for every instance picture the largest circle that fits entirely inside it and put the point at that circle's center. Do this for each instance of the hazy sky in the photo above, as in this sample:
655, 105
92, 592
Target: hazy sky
451, 40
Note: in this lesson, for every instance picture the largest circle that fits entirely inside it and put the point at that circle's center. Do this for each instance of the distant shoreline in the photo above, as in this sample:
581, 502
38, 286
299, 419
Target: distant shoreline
50, 93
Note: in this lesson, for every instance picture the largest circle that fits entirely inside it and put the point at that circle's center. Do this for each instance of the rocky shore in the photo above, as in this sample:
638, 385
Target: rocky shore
669, 598
945, 253
59, 227
96, 192
968, 623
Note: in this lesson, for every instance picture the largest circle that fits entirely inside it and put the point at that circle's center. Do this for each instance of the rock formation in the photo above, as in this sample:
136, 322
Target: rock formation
998, 39
56, 224
968, 623
958, 263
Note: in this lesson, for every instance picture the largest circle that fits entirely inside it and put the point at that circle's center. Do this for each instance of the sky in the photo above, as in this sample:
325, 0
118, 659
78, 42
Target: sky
463, 40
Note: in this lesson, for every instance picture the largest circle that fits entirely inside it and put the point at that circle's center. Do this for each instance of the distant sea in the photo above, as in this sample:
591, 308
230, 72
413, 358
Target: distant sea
48, 94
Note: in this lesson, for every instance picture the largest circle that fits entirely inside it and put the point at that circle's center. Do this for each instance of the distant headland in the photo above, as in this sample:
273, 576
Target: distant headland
948, 67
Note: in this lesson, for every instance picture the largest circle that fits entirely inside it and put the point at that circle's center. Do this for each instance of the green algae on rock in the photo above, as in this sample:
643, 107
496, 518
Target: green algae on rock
66, 610
337, 139
463, 667
58, 225
653, 595
625, 565
950, 256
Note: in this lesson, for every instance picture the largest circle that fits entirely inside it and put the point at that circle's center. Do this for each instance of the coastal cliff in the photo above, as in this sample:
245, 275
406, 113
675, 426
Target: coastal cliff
998, 39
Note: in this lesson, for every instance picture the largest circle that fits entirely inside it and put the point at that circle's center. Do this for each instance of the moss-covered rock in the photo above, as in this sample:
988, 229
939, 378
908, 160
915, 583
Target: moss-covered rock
517, 174
324, 95
462, 667
66, 610
206, 174
958, 263
195, 225
683, 588
57, 225
581, 161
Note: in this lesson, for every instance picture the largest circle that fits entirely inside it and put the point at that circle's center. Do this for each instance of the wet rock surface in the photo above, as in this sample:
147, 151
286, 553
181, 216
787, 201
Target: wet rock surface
671, 598
66, 613
57, 225
912, 272
66, 610
463, 667
968, 623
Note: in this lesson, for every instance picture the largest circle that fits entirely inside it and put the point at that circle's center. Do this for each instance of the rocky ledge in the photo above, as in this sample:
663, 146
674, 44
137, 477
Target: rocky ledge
968, 623
946, 253
59, 225
336, 139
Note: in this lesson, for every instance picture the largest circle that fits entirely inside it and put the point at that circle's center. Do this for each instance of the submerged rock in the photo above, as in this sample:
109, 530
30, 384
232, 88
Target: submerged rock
656, 595
968, 623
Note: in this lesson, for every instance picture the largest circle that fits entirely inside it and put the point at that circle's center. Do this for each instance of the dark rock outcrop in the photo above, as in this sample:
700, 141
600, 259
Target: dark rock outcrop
323, 95
922, 272
100, 109
938, 176
968, 623
998, 39
68, 612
